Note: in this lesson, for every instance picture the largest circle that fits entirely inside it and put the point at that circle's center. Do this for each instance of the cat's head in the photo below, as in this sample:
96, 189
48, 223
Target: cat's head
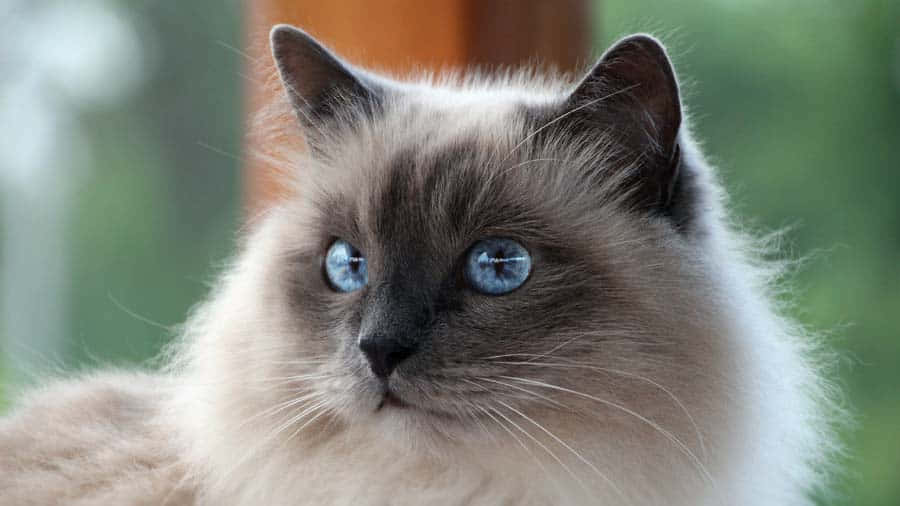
467, 255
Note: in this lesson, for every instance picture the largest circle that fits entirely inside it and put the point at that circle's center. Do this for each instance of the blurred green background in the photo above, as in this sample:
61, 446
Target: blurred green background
797, 103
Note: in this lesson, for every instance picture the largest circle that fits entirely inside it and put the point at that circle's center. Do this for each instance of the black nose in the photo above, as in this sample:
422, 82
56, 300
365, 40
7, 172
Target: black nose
385, 353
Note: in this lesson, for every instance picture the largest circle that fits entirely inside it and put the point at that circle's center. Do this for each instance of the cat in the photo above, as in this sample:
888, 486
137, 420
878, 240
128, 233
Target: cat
509, 289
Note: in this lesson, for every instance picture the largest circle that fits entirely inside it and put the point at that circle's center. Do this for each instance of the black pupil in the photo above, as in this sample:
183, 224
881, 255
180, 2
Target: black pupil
499, 264
355, 262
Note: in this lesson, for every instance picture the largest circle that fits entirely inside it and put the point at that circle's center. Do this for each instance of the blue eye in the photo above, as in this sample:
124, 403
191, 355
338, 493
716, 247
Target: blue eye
497, 266
345, 267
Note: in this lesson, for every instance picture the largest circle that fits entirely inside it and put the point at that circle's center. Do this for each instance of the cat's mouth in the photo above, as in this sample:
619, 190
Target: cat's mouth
395, 399
392, 400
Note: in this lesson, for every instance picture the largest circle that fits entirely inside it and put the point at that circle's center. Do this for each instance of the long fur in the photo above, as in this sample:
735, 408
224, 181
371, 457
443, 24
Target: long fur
713, 397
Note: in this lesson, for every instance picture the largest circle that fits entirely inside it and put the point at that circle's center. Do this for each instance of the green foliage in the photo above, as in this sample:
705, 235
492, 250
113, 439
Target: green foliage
157, 211
798, 105
3, 395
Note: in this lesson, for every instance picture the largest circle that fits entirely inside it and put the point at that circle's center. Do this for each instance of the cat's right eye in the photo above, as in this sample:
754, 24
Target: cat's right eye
497, 266
345, 267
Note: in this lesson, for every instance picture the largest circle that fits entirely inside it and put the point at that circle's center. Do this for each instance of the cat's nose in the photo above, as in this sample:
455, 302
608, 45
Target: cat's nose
385, 353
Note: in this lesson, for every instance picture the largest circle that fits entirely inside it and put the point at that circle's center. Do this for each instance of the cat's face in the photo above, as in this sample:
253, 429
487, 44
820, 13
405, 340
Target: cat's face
410, 321
456, 260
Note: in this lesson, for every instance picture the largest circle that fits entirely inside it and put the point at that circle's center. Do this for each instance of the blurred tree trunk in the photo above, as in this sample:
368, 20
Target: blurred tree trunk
403, 35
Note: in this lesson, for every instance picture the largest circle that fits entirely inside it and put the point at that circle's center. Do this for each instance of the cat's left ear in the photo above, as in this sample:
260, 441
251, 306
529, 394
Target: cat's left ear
632, 94
319, 84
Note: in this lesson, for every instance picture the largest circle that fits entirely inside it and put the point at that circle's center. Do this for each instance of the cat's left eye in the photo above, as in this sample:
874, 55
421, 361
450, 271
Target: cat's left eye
497, 266
345, 267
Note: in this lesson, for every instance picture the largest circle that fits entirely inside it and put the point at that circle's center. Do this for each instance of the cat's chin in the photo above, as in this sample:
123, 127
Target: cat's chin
416, 430
407, 421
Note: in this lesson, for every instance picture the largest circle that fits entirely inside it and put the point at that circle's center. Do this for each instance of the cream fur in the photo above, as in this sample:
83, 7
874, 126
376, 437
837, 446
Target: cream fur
758, 430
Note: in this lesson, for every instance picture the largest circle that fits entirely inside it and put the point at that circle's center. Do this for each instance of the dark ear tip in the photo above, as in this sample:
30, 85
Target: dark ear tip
282, 34
642, 43
643, 53
644, 39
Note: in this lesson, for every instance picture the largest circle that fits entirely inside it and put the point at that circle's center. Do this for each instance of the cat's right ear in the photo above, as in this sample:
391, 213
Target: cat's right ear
631, 96
319, 85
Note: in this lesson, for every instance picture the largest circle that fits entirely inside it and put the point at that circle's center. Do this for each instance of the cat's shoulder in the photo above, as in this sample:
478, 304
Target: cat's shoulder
95, 439
93, 394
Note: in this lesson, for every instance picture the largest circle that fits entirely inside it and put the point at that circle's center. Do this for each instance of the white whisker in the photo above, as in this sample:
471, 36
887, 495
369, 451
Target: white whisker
545, 448
296, 418
565, 445
512, 434
668, 435
665, 390
525, 390
307, 423
279, 408
250, 453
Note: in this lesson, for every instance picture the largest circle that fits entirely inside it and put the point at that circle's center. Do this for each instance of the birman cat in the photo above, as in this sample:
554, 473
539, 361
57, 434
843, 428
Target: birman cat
482, 290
